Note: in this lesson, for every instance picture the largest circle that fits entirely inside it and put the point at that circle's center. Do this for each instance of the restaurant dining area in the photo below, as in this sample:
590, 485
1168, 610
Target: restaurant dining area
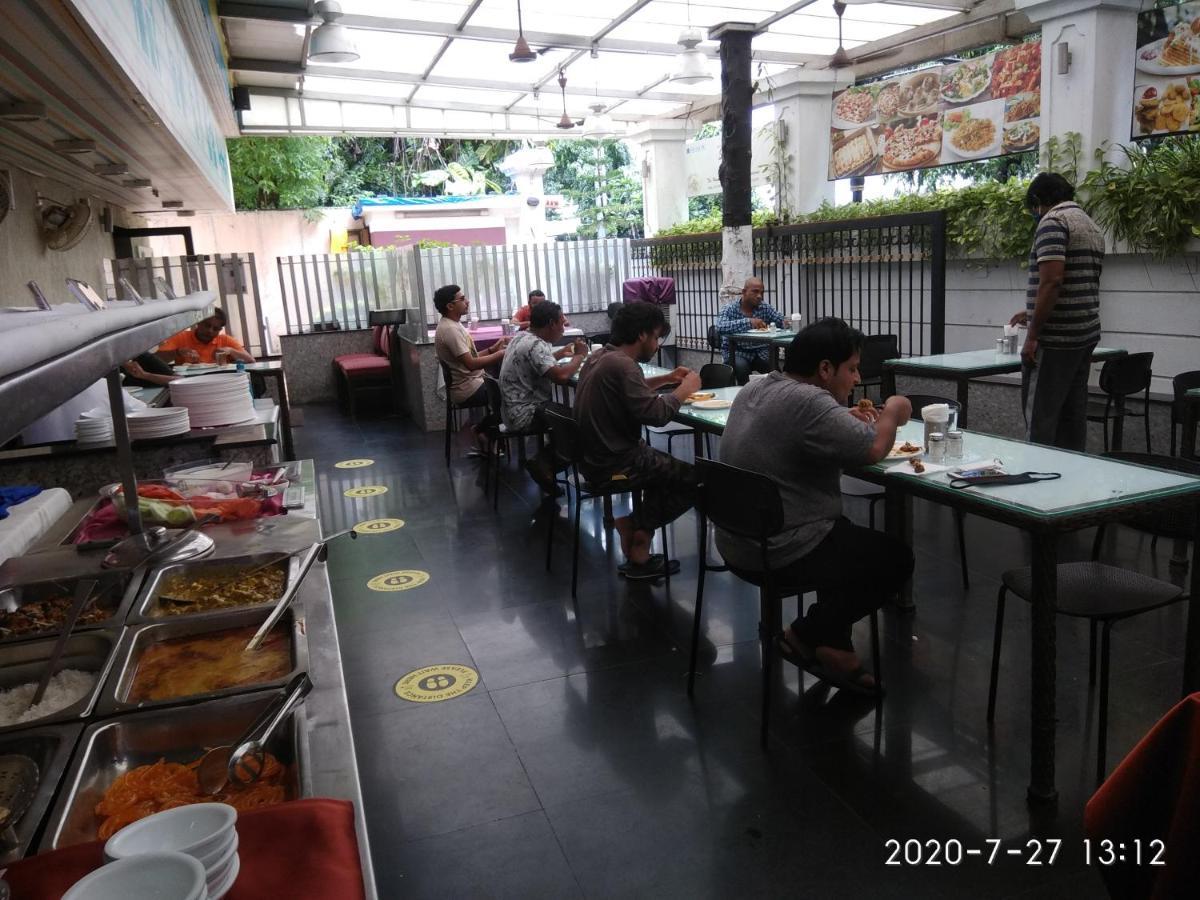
747, 451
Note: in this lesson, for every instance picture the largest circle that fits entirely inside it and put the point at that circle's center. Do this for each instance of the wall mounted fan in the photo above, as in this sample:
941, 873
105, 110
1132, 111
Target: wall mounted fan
62, 225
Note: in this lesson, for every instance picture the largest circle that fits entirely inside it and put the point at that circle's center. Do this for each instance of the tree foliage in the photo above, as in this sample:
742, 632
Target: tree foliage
281, 173
599, 178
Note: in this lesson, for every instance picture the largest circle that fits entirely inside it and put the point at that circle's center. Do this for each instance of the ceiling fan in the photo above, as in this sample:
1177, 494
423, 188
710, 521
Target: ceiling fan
841, 59
63, 225
566, 123
521, 50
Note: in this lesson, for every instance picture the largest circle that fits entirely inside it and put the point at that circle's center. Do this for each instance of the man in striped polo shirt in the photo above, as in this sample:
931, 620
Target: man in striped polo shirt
1062, 312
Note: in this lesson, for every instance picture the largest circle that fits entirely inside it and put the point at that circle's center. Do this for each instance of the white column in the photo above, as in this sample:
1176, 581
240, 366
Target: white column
1095, 98
803, 108
661, 157
526, 168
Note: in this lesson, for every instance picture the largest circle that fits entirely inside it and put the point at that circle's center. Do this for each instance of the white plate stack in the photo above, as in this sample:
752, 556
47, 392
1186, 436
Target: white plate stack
94, 426
203, 831
215, 399
158, 423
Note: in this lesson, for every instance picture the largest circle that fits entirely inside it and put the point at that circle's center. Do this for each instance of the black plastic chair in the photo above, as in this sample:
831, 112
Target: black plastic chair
1180, 385
499, 436
567, 446
1123, 377
452, 410
712, 376
876, 349
748, 504
1104, 594
714, 343
864, 490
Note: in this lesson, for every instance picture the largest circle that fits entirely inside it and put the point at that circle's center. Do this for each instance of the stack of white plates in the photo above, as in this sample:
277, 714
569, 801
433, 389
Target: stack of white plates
94, 426
158, 423
203, 831
215, 399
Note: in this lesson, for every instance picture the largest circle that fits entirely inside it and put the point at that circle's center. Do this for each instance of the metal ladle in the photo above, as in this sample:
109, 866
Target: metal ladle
243, 763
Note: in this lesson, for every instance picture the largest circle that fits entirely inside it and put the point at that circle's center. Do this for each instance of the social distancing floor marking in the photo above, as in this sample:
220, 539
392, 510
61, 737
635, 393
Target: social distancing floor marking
399, 580
431, 684
367, 490
354, 463
378, 526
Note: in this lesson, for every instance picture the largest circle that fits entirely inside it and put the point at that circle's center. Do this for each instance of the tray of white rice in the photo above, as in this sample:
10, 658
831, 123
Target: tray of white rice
72, 691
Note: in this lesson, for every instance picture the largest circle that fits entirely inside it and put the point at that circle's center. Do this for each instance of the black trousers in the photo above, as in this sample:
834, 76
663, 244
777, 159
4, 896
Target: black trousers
671, 491
854, 571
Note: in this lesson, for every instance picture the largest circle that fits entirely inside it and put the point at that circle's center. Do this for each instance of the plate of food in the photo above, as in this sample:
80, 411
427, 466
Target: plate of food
972, 133
916, 143
854, 154
700, 396
887, 102
853, 107
1022, 136
1017, 70
905, 450
919, 94
966, 81
712, 404
1023, 106
1163, 109
1176, 54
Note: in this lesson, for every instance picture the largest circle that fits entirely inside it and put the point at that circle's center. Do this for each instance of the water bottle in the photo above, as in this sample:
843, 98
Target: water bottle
241, 367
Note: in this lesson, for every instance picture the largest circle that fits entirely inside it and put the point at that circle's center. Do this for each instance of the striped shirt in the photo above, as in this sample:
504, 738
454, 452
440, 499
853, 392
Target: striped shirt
1066, 233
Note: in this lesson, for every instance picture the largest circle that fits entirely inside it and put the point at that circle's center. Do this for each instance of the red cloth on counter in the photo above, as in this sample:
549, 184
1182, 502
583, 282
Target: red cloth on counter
302, 848
1153, 794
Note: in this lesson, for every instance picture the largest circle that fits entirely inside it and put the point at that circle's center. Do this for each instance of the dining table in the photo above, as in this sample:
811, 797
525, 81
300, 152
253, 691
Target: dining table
776, 339
962, 368
1091, 491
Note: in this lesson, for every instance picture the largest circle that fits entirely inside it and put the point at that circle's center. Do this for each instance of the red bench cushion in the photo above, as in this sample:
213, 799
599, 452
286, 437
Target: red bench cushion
356, 365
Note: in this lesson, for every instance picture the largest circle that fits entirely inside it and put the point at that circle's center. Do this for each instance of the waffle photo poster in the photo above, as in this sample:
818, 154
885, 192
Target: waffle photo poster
1167, 72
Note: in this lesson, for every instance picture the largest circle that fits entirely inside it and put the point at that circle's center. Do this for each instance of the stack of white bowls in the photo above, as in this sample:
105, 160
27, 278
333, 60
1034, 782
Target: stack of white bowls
94, 426
203, 831
215, 399
157, 423
150, 876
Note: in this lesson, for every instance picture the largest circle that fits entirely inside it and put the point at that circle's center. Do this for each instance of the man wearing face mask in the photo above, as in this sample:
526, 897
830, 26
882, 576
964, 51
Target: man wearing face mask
1062, 312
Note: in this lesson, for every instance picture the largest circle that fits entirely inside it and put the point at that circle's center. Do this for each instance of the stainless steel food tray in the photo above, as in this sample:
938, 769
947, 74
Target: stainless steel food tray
178, 734
50, 747
91, 651
116, 591
147, 608
136, 640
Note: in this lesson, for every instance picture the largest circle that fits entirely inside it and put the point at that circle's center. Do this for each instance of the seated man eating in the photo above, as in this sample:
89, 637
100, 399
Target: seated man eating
794, 427
613, 401
527, 376
748, 313
203, 342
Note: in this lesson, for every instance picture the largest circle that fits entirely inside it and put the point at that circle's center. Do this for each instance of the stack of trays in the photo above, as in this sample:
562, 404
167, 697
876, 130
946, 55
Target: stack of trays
215, 399
94, 426
158, 423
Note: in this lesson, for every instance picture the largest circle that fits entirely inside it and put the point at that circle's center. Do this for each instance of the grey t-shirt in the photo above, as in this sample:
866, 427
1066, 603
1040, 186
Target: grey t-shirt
523, 382
799, 436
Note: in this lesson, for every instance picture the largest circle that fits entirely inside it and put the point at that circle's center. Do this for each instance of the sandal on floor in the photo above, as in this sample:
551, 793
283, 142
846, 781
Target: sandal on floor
806, 659
650, 569
654, 560
801, 658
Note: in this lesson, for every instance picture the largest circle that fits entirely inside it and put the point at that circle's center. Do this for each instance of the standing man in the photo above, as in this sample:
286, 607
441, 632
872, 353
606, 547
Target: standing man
747, 314
527, 376
793, 426
1062, 312
202, 342
613, 401
456, 348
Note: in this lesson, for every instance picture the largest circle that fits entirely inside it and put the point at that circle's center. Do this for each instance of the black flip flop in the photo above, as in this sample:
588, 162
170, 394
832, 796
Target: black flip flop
806, 660
650, 569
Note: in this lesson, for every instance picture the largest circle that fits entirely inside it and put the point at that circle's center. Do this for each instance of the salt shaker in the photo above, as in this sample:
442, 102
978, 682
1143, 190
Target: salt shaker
954, 445
937, 447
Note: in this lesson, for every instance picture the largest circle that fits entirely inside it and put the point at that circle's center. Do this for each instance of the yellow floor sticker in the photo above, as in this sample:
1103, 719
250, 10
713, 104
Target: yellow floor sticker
400, 580
354, 463
378, 526
431, 684
367, 490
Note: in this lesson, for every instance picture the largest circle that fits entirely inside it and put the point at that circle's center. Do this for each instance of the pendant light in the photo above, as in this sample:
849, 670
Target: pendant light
841, 58
598, 124
521, 52
565, 123
691, 64
331, 41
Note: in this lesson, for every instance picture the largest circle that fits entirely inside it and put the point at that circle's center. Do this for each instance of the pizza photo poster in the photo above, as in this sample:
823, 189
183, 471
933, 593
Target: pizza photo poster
975, 109
1166, 81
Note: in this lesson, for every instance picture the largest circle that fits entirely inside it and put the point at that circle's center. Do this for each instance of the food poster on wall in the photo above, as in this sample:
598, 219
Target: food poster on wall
1167, 71
975, 109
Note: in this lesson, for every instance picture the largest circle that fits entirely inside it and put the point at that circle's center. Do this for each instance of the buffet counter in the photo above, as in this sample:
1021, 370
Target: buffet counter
107, 733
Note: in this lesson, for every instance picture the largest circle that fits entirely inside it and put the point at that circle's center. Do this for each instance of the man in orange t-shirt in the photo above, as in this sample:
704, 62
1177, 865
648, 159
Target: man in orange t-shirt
200, 343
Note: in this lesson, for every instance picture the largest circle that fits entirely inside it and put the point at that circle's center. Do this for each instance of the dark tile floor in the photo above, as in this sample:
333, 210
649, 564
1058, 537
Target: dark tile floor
578, 766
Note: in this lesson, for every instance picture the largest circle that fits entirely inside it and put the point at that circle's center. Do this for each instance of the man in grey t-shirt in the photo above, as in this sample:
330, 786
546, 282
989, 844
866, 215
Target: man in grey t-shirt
794, 427
528, 375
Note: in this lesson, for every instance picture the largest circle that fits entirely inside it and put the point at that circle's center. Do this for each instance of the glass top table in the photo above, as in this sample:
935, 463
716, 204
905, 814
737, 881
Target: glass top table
962, 367
775, 338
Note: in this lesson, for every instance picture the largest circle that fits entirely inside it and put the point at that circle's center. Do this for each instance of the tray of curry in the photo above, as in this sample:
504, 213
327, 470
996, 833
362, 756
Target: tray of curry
214, 586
